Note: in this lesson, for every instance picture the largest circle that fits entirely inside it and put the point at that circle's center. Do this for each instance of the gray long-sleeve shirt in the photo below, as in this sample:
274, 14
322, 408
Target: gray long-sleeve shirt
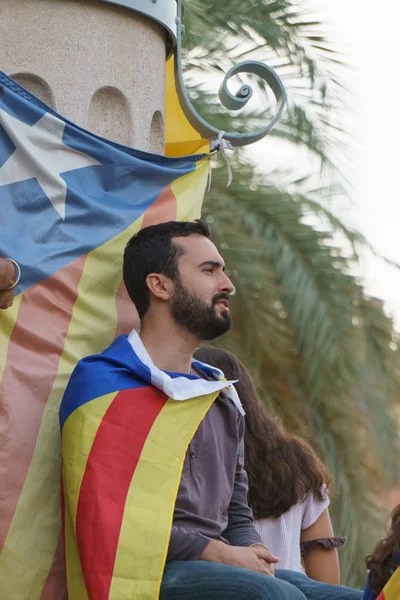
212, 497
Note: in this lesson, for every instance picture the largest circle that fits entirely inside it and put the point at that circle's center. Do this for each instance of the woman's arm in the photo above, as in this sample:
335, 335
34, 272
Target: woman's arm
321, 564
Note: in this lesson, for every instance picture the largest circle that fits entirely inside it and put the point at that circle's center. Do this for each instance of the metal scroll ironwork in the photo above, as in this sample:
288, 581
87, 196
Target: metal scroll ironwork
230, 101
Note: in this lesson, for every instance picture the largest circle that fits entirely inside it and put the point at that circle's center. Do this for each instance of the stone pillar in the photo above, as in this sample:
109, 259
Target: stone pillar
97, 63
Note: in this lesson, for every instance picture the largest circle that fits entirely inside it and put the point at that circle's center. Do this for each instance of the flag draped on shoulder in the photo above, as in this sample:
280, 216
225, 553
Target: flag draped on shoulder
69, 202
125, 427
391, 591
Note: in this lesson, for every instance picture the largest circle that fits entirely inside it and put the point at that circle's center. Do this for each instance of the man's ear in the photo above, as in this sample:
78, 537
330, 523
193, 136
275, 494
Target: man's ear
159, 286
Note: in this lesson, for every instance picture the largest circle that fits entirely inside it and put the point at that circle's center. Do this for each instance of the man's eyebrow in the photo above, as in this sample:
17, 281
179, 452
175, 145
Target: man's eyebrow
213, 263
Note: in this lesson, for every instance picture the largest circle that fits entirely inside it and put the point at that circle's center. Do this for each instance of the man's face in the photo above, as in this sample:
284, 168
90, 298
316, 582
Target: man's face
200, 302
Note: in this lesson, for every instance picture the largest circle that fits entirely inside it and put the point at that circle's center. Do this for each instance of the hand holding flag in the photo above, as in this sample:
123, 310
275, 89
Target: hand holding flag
9, 277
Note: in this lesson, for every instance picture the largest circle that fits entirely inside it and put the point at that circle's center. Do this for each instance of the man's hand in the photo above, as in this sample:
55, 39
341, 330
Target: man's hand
7, 278
256, 558
270, 560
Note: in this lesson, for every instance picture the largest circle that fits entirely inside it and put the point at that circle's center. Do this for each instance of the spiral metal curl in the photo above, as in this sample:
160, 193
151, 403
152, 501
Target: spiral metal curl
230, 101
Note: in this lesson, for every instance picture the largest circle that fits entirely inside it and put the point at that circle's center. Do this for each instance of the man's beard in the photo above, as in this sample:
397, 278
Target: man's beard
197, 317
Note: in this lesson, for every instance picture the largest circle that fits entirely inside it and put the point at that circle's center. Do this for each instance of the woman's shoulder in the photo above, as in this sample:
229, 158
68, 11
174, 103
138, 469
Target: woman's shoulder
312, 507
312, 500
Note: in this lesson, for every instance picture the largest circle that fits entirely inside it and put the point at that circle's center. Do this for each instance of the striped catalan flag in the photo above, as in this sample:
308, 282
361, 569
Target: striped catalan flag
69, 202
126, 427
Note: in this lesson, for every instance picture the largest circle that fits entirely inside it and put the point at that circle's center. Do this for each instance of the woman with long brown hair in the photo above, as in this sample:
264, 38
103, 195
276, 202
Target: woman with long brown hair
384, 563
288, 484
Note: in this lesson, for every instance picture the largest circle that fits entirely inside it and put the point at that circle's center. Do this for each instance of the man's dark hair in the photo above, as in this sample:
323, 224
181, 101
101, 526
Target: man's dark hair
152, 250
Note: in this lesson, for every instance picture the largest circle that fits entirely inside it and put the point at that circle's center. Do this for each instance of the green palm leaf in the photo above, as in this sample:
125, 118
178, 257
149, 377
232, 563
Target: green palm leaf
324, 353
321, 350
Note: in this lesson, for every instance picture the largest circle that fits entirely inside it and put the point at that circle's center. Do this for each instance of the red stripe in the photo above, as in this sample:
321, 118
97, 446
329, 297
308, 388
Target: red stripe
56, 582
110, 466
55, 587
162, 210
34, 351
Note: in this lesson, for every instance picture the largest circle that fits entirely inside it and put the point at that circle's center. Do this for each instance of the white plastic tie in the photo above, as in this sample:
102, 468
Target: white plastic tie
221, 145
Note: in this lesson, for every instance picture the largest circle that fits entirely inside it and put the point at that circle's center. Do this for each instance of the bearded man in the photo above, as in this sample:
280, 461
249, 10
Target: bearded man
155, 493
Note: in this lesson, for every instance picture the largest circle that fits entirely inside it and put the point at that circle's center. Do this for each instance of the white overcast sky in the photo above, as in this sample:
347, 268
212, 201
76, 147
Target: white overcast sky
368, 39
370, 35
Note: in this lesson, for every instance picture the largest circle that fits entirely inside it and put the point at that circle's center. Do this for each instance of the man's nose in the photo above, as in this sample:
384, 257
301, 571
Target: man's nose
227, 286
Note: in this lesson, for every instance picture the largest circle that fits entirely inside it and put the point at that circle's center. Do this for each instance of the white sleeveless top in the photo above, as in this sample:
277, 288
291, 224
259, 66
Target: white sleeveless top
282, 534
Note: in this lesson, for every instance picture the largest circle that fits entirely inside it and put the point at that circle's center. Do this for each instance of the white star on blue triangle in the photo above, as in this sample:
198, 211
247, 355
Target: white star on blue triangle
41, 153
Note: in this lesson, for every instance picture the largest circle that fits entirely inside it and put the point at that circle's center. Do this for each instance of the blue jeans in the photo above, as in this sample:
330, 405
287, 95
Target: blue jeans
202, 580
315, 590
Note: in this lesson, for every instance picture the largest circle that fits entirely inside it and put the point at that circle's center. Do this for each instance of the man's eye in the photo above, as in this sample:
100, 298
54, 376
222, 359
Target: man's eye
210, 270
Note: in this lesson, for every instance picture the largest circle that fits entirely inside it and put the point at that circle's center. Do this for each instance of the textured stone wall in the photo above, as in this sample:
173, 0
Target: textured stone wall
99, 65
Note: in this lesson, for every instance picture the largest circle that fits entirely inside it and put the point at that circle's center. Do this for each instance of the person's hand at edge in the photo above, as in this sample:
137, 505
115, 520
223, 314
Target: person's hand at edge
8, 276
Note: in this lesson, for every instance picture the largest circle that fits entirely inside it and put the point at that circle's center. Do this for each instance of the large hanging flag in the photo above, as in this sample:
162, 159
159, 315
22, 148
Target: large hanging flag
126, 426
69, 202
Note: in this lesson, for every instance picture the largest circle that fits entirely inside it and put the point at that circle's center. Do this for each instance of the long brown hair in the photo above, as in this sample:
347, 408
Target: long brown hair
282, 468
381, 563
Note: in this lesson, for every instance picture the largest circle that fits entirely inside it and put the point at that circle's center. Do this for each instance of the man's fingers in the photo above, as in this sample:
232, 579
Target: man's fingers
6, 299
265, 554
271, 568
264, 569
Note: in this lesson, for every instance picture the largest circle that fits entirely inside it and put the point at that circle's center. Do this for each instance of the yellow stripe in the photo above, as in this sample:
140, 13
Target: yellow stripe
189, 191
91, 329
75, 451
181, 139
392, 588
146, 526
7, 322
75, 580
76, 447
